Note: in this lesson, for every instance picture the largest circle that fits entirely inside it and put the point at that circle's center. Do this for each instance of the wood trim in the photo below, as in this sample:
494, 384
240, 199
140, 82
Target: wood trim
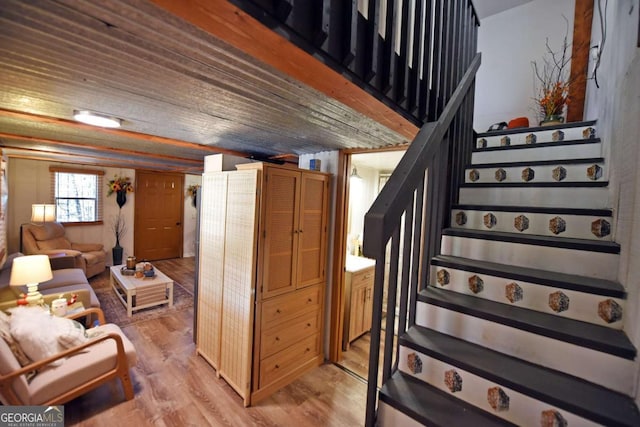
583, 17
96, 148
230, 24
76, 170
339, 250
118, 132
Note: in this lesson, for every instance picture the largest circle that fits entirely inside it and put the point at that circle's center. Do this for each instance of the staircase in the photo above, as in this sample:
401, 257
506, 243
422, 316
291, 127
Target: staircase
522, 319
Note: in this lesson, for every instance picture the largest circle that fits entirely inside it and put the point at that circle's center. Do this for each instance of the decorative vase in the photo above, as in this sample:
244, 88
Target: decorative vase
116, 253
554, 119
121, 198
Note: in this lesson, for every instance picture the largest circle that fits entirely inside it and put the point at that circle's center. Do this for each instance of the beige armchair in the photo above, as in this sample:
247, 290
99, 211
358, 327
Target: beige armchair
49, 239
70, 373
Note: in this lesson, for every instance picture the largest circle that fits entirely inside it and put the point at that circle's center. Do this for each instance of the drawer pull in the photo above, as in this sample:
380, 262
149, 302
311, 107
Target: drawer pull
308, 325
307, 350
277, 366
277, 311
309, 300
277, 338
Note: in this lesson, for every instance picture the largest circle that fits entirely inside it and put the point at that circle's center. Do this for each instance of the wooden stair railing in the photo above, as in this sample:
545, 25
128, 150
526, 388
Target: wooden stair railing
411, 63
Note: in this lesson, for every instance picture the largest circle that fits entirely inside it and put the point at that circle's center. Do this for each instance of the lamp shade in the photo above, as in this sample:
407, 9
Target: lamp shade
43, 213
30, 269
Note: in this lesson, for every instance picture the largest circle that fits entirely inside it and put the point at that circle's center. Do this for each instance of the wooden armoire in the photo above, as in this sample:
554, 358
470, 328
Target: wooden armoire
263, 255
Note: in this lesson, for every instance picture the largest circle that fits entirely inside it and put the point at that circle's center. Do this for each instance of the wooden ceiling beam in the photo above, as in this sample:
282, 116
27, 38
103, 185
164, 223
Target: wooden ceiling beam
117, 132
38, 154
101, 149
230, 24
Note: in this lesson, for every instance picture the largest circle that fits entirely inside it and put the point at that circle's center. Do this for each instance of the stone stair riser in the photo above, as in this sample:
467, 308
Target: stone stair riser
541, 136
533, 153
595, 366
541, 224
589, 172
585, 263
596, 309
515, 407
580, 198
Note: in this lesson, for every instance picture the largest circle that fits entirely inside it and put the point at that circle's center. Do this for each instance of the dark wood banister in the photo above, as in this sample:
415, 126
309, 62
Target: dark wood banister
383, 219
392, 200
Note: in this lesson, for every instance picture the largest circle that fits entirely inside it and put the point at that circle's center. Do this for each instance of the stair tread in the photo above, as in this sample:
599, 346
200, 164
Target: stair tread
573, 282
521, 163
532, 184
536, 209
537, 145
431, 406
532, 239
537, 129
556, 388
584, 334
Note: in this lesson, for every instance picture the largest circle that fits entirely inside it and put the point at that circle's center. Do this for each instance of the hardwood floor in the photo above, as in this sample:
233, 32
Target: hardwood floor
175, 387
356, 358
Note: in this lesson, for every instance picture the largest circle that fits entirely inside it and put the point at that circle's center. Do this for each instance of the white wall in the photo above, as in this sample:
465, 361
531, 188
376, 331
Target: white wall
616, 106
362, 193
190, 217
329, 164
509, 41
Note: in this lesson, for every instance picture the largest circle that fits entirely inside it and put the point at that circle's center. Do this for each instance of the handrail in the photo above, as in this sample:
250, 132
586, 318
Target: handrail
392, 200
403, 194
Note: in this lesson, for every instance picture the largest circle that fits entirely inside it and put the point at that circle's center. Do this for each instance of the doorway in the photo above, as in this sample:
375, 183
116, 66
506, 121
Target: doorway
158, 215
367, 174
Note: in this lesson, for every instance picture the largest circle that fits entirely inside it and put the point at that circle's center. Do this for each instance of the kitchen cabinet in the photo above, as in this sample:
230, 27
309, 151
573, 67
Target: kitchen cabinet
263, 233
359, 279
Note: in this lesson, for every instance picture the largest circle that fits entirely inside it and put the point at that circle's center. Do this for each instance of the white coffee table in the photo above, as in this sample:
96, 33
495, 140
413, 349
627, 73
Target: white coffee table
138, 293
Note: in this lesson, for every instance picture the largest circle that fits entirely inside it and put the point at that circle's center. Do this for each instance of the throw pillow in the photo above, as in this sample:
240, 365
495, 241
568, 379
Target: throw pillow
35, 332
69, 332
5, 332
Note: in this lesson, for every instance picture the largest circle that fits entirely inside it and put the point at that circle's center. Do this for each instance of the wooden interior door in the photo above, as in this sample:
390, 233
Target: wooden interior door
158, 217
280, 233
314, 199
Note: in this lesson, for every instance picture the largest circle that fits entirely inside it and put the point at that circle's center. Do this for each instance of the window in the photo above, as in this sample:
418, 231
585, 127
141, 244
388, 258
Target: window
77, 194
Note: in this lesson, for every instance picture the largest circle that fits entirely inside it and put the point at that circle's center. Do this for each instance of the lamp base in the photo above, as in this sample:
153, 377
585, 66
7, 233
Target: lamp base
34, 297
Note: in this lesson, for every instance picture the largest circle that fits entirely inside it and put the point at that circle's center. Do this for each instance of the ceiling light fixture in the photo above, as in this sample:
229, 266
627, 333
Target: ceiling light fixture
354, 174
96, 119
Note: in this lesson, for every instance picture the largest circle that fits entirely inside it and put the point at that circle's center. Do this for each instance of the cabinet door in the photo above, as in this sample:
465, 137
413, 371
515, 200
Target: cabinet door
280, 233
312, 253
356, 325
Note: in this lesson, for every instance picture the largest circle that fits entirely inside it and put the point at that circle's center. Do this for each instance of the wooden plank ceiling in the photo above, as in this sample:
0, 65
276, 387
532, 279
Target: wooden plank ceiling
182, 82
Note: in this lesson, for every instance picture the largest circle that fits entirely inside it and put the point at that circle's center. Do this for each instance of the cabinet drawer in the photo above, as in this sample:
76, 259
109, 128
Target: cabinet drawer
363, 277
280, 364
281, 337
287, 307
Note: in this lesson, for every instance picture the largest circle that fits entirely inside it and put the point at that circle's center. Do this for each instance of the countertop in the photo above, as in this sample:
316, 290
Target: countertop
358, 263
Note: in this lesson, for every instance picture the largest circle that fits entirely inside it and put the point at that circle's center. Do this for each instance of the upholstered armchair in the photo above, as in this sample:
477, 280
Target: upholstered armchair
69, 366
49, 239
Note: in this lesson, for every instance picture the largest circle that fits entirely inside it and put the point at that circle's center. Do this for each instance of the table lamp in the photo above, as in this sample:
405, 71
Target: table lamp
41, 213
30, 270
